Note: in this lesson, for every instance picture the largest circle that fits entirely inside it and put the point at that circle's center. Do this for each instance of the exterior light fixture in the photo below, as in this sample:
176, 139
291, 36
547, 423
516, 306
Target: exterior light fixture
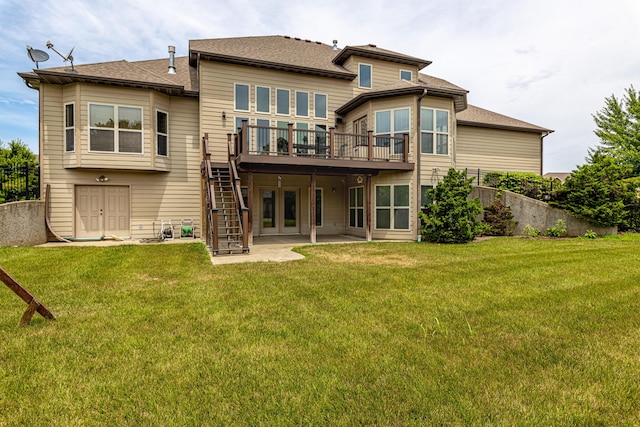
102, 178
224, 115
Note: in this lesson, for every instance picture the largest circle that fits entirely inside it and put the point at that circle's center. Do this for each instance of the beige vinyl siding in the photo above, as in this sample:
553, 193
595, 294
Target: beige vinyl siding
496, 149
217, 96
382, 72
154, 195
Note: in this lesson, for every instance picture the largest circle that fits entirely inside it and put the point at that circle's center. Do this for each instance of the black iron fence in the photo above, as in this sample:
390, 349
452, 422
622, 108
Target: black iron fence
526, 183
20, 182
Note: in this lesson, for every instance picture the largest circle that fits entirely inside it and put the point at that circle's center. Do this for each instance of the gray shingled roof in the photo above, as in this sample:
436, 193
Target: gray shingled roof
275, 52
144, 74
433, 85
479, 117
373, 51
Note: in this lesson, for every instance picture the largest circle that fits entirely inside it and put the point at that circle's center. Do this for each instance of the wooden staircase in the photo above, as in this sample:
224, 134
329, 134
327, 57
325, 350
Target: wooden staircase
227, 217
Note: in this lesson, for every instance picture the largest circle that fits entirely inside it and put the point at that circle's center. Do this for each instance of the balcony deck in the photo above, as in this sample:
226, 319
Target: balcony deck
270, 149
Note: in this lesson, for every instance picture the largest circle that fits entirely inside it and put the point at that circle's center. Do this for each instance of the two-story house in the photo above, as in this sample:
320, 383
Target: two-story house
292, 137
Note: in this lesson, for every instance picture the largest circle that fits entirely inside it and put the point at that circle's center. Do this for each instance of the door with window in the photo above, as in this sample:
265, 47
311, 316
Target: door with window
280, 211
102, 211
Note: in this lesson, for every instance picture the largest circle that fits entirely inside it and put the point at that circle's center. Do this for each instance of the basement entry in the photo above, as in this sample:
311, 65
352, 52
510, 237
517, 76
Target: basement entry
102, 211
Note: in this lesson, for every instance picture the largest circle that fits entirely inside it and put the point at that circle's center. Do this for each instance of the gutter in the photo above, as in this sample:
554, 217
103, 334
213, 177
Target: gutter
542, 137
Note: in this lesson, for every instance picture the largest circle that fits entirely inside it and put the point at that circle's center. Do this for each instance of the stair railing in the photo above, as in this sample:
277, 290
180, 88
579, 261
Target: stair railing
243, 211
212, 210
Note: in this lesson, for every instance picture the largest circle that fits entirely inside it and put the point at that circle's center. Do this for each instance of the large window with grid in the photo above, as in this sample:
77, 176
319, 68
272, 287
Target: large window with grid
116, 129
434, 131
392, 207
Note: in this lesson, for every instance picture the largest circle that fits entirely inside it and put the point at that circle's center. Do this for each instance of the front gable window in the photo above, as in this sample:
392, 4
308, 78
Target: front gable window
320, 106
282, 102
364, 76
302, 104
115, 129
406, 75
241, 97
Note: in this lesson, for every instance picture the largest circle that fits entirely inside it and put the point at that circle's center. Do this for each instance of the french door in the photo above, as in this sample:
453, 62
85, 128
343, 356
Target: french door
102, 211
280, 211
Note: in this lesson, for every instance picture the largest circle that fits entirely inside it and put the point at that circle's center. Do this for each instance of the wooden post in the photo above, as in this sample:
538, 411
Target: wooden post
34, 304
313, 207
290, 131
250, 205
332, 142
369, 205
370, 144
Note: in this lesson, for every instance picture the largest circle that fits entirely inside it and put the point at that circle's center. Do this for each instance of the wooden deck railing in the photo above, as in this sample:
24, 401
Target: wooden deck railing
320, 144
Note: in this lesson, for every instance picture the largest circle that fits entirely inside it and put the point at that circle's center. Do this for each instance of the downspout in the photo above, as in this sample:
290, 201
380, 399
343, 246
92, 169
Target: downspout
418, 157
542, 137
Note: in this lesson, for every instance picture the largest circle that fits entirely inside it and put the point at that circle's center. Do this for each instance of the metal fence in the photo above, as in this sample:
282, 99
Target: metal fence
534, 186
19, 183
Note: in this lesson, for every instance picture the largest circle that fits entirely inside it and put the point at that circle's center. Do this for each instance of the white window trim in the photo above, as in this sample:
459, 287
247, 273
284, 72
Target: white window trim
116, 139
370, 75
326, 105
288, 113
434, 132
406, 71
158, 133
321, 207
296, 106
356, 207
235, 91
66, 128
269, 100
391, 207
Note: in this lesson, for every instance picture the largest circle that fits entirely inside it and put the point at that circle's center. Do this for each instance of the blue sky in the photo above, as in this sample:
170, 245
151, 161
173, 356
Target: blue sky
547, 62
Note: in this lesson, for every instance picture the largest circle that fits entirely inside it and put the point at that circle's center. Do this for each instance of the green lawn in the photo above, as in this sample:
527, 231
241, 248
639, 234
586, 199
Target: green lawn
502, 332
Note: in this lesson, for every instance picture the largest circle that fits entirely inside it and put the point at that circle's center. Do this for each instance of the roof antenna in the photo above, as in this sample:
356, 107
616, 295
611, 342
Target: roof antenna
172, 65
69, 57
335, 45
37, 55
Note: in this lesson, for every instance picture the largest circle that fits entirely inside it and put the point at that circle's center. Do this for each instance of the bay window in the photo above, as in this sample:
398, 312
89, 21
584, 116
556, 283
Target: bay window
434, 131
115, 129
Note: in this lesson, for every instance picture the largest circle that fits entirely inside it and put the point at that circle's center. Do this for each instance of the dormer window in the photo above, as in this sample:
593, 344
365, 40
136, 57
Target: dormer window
364, 76
406, 75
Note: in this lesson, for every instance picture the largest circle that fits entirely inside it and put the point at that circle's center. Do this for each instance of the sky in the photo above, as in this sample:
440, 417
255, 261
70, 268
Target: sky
547, 62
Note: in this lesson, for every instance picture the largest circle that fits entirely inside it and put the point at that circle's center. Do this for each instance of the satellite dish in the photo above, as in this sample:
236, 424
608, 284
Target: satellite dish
37, 55
64, 58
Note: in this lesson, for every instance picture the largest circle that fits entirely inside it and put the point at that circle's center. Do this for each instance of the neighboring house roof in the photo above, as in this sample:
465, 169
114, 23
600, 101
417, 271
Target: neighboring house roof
143, 74
374, 52
281, 53
433, 86
557, 175
479, 117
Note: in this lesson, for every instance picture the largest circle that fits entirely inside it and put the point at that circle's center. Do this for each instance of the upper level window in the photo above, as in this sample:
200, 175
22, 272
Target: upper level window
162, 133
69, 127
282, 102
320, 106
434, 131
392, 123
302, 104
241, 97
263, 99
115, 129
364, 76
406, 75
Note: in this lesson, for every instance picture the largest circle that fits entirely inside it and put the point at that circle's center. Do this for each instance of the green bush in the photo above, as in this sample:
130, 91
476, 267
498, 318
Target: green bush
526, 183
558, 230
531, 231
451, 218
590, 234
499, 218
